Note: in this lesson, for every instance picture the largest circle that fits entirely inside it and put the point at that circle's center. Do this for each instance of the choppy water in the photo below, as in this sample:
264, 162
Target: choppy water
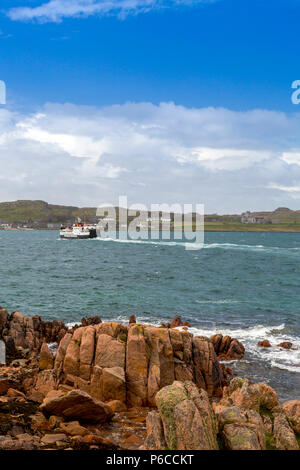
246, 285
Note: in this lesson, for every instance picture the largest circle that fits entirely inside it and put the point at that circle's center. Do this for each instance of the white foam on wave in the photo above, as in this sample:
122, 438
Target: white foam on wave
209, 246
234, 246
73, 323
274, 356
53, 347
190, 245
221, 301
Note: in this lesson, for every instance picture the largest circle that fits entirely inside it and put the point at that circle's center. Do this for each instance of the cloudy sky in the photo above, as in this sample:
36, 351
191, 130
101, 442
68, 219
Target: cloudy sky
185, 101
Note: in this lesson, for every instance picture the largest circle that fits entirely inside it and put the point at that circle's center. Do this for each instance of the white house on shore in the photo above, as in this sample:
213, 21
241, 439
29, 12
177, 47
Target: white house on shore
248, 218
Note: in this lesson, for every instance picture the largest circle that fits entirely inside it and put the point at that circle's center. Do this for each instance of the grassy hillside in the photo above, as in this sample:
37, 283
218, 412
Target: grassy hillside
40, 211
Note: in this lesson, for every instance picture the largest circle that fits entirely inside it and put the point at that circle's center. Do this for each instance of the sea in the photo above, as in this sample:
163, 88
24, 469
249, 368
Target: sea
246, 285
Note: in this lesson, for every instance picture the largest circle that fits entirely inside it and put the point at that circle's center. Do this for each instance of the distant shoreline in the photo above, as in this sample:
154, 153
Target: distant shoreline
254, 229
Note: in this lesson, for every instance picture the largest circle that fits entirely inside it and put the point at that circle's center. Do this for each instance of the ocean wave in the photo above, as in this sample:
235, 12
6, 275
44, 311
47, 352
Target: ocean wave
274, 356
277, 250
285, 367
53, 347
222, 301
183, 244
71, 324
211, 246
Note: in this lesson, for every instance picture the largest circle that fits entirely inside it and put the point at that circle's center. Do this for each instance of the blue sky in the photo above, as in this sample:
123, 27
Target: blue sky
234, 53
199, 89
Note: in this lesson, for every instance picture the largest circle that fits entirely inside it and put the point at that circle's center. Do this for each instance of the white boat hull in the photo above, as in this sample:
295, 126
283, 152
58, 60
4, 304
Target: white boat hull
78, 233
74, 236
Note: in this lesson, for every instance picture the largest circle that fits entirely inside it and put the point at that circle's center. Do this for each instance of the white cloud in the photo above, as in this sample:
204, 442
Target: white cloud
288, 189
223, 158
56, 10
228, 160
292, 157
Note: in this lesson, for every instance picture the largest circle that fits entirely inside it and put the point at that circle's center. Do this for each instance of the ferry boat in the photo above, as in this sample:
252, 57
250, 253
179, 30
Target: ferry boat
78, 231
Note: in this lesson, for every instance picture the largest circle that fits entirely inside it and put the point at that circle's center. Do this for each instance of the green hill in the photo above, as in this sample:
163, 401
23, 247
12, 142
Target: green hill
40, 212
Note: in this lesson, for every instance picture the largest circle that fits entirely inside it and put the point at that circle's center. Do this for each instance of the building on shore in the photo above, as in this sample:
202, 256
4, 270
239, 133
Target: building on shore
248, 218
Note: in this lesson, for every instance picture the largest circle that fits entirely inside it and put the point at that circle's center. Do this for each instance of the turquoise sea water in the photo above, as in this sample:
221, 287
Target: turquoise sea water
243, 284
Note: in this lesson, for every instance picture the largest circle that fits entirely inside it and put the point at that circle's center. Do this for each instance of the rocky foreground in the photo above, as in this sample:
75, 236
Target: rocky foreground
115, 386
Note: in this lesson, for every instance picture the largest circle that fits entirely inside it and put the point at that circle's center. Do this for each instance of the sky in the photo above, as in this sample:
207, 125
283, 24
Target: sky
165, 101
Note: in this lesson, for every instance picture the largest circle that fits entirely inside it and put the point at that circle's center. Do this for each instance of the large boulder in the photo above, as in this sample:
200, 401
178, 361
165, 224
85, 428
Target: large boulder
285, 345
46, 358
291, 410
241, 429
73, 428
76, 405
25, 331
245, 394
137, 362
264, 343
161, 361
155, 439
112, 384
207, 371
110, 352
72, 356
176, 322
6, 383
61, 352
186, 421
3, 319
42, 383
182, 344
227, 348
284, 436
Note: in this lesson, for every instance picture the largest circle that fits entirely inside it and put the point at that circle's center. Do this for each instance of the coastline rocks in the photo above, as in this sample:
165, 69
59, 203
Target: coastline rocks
184, 420
61, 352
6, 383
250, 417
176, 322
46, 358
155, 439
112, 384
95, 320
25, 331
131, 363
117, 406
73, 428
137, 361
3, 319
40, 385
28, 333
207, 371
257, 397
264, 344
291, 410
241, 429
283, 434
132, 319
71, 360
54, 440
285, 345
8, 443
227, 348
76, 405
